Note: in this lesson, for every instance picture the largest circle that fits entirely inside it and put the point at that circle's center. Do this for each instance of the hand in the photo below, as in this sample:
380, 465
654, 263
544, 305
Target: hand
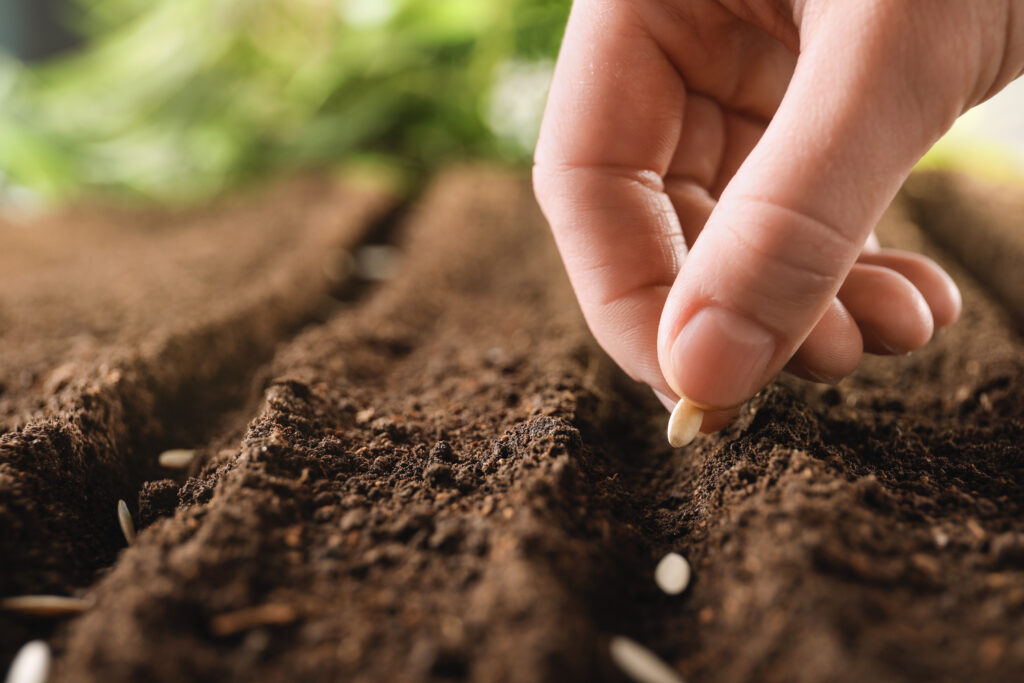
713, 171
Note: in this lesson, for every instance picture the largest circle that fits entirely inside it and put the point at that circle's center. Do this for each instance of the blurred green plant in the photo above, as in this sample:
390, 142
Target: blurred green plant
179, 99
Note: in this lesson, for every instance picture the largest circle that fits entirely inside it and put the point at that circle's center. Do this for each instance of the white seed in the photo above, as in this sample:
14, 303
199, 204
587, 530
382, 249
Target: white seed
672, 574
45, 605
640, 664
377, 262
124, 518
31, 664
176, 458
684, 424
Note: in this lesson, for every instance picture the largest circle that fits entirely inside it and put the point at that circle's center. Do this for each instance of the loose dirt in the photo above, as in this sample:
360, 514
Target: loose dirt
445, 479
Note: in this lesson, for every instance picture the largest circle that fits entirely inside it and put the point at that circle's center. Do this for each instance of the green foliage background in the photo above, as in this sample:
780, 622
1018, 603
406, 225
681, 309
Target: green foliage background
179, 99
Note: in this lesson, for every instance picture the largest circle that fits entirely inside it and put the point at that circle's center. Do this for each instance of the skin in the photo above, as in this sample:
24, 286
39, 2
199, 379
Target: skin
712, 171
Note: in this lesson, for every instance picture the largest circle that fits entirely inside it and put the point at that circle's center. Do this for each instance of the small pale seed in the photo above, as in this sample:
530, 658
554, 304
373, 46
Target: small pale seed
376, 262
176, 458
45, 605
640, 664
124, 518
672, 574
31, 664
684, 423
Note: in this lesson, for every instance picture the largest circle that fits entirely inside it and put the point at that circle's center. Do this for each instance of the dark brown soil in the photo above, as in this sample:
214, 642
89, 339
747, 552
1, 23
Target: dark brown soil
127, 332
447, 480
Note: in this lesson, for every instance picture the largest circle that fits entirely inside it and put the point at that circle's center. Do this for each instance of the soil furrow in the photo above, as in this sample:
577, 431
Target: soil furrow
134, 333
869, 531
448, 480
418, 488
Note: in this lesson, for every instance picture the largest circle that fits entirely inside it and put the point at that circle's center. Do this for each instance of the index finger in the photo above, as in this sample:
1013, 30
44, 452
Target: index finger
610, 130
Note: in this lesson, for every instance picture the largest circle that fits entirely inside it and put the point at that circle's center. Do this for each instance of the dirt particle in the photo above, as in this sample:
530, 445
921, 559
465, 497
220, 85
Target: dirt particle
324, 514
60, 377
157, 499
353, 519
1008, 548
439, 474
382, 464
927, 565
447, 536
976, 529
293, 536
442, 452
992, 649
324, 498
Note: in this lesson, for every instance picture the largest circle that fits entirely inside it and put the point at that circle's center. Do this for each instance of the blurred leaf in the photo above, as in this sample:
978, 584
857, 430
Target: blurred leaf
177, 99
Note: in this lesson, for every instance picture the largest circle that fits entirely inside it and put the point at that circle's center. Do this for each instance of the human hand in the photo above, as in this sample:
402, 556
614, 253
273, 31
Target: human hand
776, 131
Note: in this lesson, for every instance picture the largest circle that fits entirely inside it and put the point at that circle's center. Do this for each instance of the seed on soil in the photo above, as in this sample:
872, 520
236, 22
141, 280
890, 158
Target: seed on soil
640, 664
31, 664
684, 423
271, 614
176, 458
672, 574
376, 262
45, 605
124, 518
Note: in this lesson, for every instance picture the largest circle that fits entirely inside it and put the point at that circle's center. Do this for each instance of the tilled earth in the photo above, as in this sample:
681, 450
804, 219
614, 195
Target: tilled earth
438, 476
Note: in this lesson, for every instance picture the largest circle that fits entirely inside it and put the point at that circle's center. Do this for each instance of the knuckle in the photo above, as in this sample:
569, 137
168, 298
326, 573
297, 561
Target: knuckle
801, 247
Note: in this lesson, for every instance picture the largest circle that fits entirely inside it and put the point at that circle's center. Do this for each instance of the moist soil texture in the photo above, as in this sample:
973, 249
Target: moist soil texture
441, 477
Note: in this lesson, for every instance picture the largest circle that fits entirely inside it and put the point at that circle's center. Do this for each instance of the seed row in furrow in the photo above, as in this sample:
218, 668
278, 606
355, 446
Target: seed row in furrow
81, 460
428, 439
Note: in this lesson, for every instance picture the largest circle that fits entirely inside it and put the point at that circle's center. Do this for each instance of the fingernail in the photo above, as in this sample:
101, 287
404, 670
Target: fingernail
797, 367
873, 340
669, 403
822, 379
720, 358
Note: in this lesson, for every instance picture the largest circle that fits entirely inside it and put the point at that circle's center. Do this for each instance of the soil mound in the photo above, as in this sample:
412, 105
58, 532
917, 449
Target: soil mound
446, 479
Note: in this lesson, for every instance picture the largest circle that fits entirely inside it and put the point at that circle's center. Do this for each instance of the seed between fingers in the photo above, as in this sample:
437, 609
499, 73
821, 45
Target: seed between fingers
684, 423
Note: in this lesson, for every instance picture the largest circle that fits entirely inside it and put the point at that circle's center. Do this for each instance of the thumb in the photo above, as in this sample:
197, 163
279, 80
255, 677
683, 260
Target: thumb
792, 221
